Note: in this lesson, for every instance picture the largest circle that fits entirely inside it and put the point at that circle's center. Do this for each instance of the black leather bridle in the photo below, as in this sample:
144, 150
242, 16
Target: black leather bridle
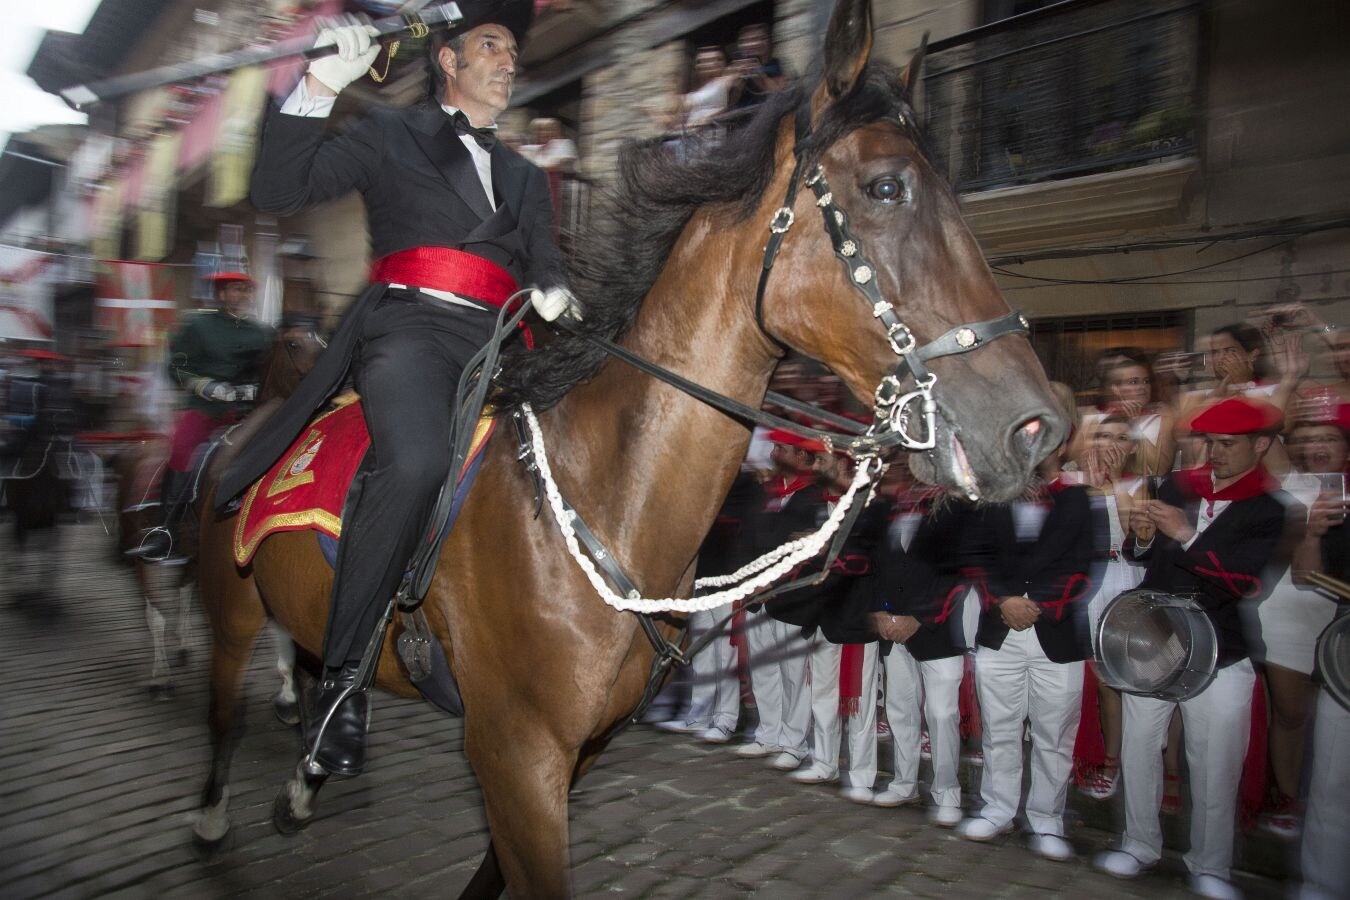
891, 419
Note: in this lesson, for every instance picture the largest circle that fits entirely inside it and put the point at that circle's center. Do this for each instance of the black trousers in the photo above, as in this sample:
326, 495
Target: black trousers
407, 370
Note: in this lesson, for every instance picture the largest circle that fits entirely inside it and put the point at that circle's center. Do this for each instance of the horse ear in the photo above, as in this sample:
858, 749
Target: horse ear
909, 78
848, 45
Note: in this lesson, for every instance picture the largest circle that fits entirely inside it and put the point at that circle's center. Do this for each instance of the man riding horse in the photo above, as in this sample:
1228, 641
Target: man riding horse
457, 222
216, 358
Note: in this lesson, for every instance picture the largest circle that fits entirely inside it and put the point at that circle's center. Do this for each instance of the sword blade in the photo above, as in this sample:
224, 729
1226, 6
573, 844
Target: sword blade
82, 96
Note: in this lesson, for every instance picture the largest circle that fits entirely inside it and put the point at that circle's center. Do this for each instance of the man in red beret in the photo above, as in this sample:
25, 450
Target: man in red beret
1211, 532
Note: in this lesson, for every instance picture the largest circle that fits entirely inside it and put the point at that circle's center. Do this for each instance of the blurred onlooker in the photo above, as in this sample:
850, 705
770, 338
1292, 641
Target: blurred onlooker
1035, 556
1109, 445
710, 86
777, 654
1325, 548
1239, 360
1125, 381
549, 148
1285, 626
758, 72
916, 599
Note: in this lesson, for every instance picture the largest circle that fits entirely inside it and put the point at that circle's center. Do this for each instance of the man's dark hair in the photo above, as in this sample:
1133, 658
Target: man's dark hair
436, 78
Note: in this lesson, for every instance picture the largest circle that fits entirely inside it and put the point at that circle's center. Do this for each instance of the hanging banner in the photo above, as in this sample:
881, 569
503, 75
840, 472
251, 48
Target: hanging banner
232, 163
135, 302
155, 221
27, 279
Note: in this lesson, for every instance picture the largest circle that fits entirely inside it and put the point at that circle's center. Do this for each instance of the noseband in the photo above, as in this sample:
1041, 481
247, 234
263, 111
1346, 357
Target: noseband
891, 417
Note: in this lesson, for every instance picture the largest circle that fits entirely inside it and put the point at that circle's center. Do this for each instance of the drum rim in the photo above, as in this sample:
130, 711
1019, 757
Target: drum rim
1167, 691
1322, 652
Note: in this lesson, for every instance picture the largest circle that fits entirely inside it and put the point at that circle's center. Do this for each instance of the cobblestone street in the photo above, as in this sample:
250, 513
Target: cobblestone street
98, 782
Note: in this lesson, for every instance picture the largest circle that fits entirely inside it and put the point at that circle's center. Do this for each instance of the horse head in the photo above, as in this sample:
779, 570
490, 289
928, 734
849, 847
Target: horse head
875, 258
295, 349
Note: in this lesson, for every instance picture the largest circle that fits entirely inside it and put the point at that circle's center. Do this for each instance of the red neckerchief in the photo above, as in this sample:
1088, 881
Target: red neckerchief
781, 488
1199, 482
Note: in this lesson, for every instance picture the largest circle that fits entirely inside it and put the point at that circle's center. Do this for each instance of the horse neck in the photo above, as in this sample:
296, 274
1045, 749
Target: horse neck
280, 375
649, 466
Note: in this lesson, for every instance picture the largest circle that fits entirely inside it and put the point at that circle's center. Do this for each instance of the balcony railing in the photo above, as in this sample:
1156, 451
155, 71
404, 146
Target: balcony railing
1074, 88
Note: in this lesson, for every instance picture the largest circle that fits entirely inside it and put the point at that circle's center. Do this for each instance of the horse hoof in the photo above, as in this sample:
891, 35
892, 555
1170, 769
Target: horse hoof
283, 819
160, 691
180, 659
287, 711
205, 850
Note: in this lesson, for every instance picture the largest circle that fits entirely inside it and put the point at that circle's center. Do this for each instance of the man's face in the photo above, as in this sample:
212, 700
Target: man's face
1231, 455
236, 296
480, 80
791, 460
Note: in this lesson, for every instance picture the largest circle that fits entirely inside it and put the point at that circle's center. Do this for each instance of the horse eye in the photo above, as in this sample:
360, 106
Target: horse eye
888, 189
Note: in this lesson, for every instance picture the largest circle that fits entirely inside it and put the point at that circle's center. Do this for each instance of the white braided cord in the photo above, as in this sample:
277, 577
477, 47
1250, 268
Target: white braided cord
770, 567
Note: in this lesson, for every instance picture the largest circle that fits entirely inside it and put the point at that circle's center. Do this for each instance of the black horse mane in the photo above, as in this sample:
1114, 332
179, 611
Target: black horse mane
618, 257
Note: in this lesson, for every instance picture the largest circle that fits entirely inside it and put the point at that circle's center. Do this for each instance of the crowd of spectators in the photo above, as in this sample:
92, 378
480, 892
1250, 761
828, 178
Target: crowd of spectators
953, 628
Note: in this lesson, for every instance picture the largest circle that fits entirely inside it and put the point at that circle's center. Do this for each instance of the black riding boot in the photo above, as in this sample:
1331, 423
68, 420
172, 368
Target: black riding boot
343, 750
160, 544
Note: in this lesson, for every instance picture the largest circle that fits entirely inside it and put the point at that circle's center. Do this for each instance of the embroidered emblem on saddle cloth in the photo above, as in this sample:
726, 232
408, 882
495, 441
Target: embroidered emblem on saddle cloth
306, 488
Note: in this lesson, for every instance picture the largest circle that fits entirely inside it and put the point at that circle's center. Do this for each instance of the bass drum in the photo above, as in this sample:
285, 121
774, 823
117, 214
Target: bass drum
1333, 658
1156, 645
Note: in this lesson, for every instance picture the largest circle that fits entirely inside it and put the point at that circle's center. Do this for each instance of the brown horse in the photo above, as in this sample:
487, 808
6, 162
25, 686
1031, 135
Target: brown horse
139, 471
546, 668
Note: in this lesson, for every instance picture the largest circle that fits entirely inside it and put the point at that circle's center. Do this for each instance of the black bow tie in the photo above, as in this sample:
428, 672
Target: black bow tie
485, 137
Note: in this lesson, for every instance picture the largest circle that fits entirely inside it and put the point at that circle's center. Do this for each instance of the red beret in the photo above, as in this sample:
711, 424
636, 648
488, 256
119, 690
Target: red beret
1238, 415
223, 278
781, 436
39, 353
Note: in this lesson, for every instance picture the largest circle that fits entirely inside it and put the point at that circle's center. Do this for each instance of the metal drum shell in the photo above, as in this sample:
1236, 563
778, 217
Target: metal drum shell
1122, 639
1332, 658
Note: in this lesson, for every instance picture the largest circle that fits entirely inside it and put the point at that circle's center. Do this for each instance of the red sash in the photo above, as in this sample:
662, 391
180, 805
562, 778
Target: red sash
444, 269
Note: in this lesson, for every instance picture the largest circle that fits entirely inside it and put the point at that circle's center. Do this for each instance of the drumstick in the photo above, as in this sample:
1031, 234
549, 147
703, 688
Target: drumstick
1327, 582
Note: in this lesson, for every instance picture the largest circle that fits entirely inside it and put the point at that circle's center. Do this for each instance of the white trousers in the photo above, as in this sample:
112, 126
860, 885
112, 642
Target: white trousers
1217, 724
1326, 825
715, 695
938, 683
778, 681
827, 725
1017, 683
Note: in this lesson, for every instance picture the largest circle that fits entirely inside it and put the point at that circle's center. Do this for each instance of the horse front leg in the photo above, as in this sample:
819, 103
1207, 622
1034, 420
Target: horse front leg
236, 614
524, 775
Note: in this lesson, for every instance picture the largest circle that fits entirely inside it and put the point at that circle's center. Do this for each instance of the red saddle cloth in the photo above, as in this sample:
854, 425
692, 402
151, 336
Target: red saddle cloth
306, 488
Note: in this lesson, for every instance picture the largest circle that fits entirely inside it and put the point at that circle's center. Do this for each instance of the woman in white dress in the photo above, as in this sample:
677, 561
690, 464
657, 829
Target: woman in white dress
1289, 621
1110, 450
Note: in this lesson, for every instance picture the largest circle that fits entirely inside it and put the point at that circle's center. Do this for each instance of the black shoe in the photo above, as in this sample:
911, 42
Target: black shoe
343, 751
157, 546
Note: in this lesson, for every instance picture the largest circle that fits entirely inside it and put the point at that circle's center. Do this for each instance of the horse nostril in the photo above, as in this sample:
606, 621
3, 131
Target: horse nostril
1030, 433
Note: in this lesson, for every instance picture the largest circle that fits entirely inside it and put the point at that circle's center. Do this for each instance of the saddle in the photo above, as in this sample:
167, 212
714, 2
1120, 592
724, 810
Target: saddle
305, 490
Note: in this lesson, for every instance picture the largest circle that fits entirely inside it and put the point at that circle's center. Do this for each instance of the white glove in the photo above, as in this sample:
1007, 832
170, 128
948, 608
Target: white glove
246, 392
355, 55
221, 391
554, 302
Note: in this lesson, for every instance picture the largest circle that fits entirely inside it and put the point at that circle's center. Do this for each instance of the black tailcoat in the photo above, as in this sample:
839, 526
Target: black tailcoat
926, 581
420, 188
1053, 569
